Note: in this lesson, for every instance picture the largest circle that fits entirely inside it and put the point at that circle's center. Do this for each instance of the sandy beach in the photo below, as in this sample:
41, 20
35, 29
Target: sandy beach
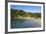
20, 17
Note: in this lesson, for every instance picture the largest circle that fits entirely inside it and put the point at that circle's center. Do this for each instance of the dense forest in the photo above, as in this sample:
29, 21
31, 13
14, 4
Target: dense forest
16, 13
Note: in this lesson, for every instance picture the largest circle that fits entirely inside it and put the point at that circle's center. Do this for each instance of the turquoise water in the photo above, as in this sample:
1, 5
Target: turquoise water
24, 23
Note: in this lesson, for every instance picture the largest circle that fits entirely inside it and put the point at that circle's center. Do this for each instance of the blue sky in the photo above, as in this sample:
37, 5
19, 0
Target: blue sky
33, 9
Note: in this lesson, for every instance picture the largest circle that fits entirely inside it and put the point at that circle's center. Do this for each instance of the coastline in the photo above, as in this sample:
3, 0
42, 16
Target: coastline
25, 18
37, 20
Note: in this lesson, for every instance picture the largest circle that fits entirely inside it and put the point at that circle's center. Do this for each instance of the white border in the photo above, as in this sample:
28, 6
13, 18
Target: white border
25, 29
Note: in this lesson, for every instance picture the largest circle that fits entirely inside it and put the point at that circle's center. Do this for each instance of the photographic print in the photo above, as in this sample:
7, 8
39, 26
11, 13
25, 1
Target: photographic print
25, 17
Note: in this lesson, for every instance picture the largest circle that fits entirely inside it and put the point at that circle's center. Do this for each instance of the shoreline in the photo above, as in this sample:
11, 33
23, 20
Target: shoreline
25, 18
35, 20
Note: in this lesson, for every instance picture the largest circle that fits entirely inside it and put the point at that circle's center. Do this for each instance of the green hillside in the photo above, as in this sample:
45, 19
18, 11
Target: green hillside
17, 13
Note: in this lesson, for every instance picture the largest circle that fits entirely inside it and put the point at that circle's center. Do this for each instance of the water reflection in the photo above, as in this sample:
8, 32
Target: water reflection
24, 23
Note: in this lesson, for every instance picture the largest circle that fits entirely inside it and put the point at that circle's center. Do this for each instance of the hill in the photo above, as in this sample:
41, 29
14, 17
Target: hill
15, 13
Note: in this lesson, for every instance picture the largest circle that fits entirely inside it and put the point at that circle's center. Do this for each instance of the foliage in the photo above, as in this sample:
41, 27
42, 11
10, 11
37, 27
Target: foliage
17, 13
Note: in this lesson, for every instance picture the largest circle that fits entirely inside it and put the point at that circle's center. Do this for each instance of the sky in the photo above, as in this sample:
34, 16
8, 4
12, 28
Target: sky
33, 9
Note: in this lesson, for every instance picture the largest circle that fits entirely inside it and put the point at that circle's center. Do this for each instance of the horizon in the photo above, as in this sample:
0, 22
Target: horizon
33, 9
